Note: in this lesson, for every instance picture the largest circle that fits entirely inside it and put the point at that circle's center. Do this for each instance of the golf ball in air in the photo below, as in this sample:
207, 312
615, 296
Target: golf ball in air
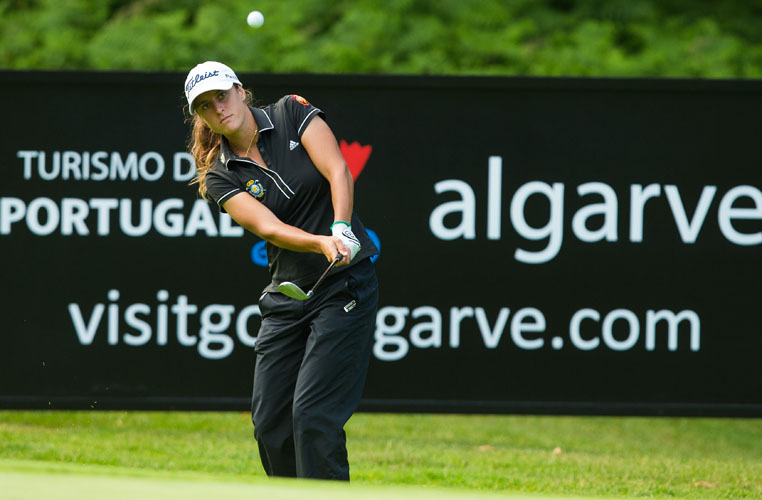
255, 19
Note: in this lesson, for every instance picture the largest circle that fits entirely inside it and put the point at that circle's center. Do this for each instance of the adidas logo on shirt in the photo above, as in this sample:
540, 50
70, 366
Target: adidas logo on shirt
292, 145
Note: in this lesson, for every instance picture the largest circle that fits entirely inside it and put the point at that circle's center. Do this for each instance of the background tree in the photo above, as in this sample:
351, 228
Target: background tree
672, 38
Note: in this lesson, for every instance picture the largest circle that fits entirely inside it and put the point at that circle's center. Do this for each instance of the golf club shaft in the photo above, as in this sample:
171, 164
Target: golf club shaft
335, 261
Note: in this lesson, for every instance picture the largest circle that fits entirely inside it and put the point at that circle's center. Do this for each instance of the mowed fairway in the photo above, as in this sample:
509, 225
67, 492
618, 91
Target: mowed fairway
149, 455
25, 482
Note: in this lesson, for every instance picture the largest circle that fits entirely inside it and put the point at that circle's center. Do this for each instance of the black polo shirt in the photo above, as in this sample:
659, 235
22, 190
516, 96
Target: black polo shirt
289, 185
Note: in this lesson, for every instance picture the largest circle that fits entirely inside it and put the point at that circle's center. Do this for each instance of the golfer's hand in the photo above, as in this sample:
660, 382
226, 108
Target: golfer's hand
344, 233
332, 246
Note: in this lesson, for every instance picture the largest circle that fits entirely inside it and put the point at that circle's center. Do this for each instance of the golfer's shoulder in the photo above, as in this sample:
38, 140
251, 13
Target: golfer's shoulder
217, 170
291, 106
218, 177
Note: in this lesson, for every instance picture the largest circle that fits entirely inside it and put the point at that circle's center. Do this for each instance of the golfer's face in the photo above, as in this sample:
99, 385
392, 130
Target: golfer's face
222, 110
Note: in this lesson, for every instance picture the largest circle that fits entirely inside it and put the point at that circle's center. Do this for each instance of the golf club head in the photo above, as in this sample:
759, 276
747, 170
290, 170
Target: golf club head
292, 290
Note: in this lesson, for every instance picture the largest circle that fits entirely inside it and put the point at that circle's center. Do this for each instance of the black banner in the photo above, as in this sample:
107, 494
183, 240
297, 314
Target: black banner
547, 245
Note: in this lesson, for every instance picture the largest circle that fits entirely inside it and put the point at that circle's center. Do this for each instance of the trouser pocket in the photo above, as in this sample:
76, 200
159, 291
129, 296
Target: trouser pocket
361, 284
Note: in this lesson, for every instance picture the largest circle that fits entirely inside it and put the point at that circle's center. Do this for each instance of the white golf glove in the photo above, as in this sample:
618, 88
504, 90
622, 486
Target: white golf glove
343, 231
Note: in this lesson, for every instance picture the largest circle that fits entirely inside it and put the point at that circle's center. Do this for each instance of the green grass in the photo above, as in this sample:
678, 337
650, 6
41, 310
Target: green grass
559, 456
36, 480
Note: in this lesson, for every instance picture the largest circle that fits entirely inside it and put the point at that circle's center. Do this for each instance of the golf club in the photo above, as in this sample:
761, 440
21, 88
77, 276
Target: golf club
295, 292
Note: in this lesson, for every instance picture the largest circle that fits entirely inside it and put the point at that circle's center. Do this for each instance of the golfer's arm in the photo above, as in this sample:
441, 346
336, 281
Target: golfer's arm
257, 218
320, 143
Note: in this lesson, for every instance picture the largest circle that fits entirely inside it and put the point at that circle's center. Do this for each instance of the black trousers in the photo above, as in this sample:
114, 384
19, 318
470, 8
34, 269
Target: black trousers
312, 359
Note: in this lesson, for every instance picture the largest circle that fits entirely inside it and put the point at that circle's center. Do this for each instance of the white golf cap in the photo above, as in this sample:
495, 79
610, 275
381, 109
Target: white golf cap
209, 75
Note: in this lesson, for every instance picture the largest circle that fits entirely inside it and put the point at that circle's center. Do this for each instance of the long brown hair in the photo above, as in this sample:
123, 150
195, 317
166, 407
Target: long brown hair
204, 146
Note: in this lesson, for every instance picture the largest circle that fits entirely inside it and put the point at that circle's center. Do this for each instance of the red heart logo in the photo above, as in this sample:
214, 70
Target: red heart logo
356, 155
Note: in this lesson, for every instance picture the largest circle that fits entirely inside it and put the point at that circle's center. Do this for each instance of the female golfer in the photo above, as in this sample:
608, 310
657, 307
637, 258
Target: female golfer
279, 173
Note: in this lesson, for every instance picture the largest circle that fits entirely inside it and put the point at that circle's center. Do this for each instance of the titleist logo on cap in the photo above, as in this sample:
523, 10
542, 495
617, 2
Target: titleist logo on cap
199, 78
203, 76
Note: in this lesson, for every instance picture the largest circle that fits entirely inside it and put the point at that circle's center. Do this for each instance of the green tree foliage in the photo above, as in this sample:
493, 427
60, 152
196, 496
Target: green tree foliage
672, 38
